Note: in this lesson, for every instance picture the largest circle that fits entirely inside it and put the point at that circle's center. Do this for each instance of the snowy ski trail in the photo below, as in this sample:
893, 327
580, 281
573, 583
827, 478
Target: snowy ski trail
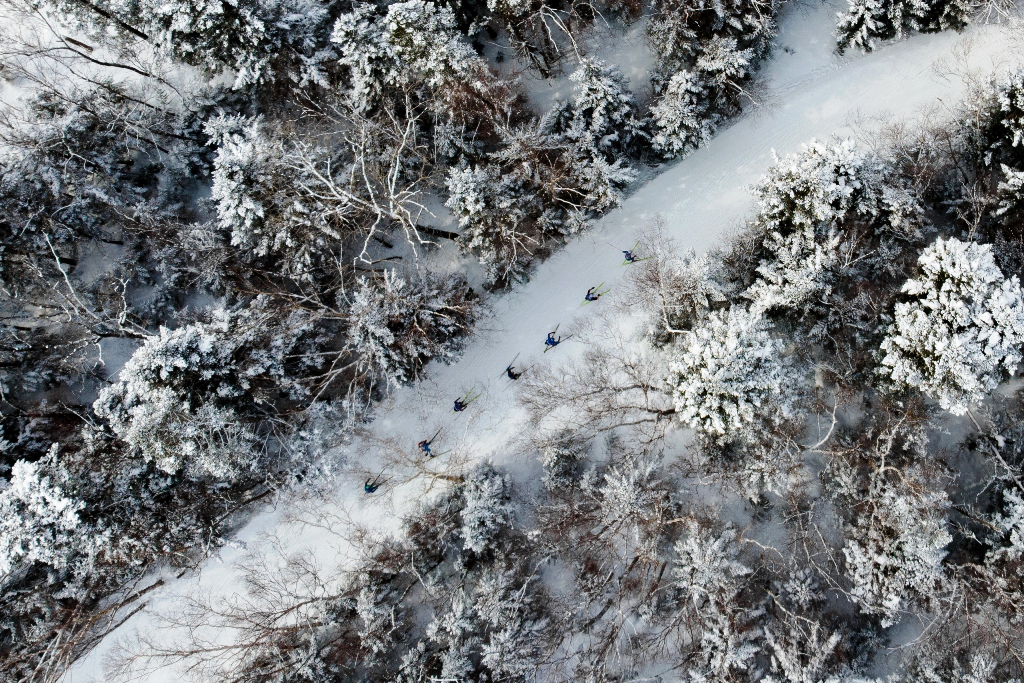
813, 93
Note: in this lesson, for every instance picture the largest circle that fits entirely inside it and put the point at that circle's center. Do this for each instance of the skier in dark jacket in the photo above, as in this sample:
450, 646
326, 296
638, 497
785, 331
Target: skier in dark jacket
591, 296
512, 374
370, 488
460, 405
425, 444
551, 341
629, 256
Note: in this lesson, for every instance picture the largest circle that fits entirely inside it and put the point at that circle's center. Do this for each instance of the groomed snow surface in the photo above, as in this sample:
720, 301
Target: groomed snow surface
811, 93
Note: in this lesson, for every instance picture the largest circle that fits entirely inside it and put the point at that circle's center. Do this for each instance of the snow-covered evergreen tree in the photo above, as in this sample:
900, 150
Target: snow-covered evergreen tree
1009, 95
244, 36
681, 32
414, 42
600, 184
274, 201
722, 62
39, 521
944, 665
397, 323
189, 398
515, 643
603, 107
867, 21
486, 508
494, 211
817, 188
711, 578
209, 34
1011, 190
805, 202
960, 333
800, 268
895, 545
631, 495
562, 461
682, 117
1008, 522
379, 607
242, 177
800, 651
728, 373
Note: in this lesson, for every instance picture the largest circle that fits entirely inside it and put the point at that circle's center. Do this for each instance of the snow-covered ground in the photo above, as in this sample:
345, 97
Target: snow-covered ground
811, 92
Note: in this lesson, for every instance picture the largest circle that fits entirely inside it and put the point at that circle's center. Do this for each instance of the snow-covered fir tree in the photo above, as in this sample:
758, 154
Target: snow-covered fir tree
799, 268
723, 62
547, 180
630, 495
681, 117
728, 374
563, 462
681, 32
244, 36
39, 521
895, 544
274, 199
817, 187
711, 578
1011, 189
800, 651
1008, 522
190, 398
805, 201
413, 42
397, 323
868, 21
706, 52
603, 107
494, 211
1009, 96
486, 509
241, 179
959, 333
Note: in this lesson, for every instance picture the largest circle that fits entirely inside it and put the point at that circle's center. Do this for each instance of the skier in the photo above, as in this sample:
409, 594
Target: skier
551, 342
510, 371
462, 403
425, 444
594, 293
371, 488
630, 257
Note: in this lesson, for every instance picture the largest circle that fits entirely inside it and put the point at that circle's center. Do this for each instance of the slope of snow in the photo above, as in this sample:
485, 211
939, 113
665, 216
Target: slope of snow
812, 92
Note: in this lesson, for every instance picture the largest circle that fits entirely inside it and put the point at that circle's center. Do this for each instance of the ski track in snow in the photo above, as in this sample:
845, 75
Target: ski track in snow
812, 93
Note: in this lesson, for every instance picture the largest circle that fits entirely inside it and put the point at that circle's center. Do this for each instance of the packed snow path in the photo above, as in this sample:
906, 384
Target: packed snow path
813, 93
